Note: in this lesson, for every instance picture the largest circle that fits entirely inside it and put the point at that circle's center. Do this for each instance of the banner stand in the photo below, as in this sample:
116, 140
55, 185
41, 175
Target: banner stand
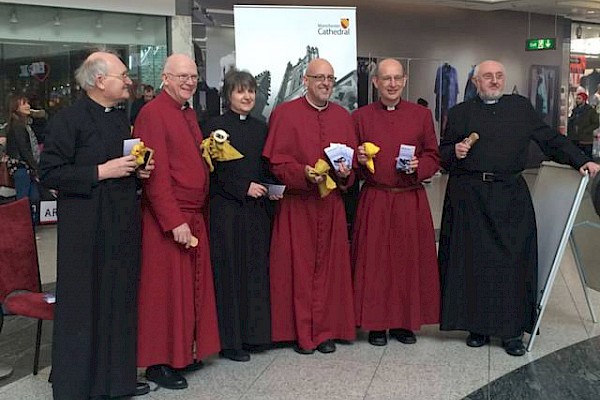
557, 196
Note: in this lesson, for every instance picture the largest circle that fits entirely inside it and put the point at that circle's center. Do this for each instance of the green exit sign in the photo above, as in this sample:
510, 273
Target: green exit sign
540, 44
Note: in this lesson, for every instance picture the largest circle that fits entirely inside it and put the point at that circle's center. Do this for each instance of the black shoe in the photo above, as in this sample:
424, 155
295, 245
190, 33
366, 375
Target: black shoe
327, 346
300, 350
403, 335
477, 340
165, 376
141, 389
378, 338
195, 366
514, 347
235, 355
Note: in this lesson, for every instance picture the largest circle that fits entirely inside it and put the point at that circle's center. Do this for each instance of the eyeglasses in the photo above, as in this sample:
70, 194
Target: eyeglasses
124, 76
184, 77
322, 78
490, 77
389, 78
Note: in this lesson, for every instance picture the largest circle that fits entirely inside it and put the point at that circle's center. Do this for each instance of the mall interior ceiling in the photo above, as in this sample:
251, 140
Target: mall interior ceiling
219, 12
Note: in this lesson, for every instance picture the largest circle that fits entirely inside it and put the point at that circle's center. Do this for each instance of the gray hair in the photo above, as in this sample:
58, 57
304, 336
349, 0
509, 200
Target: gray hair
91, 68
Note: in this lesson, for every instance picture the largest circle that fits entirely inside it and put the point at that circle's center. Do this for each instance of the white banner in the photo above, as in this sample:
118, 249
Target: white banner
276, 43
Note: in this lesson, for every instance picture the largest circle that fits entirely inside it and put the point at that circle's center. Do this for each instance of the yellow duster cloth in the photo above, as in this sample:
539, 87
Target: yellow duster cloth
321, 168
139, 151
370, 150
217, 147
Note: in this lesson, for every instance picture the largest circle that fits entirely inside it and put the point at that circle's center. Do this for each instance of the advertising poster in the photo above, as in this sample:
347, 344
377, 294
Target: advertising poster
276, 43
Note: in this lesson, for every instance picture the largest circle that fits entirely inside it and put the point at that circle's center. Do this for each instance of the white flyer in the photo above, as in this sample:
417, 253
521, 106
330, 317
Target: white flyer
406, 153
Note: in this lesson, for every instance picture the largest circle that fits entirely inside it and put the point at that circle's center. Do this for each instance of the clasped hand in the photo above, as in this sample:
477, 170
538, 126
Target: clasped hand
461, 150
122, 167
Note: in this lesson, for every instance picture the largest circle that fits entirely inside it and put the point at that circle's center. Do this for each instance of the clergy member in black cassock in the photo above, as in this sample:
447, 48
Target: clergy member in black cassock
488, 245
240, 227
94, 346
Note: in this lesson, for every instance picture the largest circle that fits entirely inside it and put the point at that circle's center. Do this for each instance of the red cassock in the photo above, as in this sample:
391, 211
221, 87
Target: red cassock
311, 284
396, 277
176, 296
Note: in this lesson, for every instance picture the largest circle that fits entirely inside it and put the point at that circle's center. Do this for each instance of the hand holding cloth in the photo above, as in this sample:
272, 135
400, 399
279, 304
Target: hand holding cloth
321, 168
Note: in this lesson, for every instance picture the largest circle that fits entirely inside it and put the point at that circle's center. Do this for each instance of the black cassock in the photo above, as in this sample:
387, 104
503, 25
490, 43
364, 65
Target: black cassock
94, 345
240, 231
488, 241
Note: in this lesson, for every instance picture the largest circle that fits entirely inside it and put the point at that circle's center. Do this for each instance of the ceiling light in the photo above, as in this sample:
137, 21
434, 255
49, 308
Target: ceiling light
139, 26
57, 20
13, 17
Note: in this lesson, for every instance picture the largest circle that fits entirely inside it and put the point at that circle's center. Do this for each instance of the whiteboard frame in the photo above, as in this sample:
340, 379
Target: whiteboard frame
564, 240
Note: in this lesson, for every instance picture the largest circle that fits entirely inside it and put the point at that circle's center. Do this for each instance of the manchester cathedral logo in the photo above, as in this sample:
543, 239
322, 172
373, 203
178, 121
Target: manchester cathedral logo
345, 22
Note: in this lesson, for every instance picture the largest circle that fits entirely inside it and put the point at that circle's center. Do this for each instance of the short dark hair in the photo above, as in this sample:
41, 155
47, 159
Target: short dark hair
422, 102
148, 88
236, 79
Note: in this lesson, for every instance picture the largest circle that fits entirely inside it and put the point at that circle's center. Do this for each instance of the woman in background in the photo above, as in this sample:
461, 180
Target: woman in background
22, 147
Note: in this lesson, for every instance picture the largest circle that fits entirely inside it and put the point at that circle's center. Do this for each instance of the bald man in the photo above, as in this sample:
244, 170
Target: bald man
396, 279
311, 288
177, 311
488, 245
94, 346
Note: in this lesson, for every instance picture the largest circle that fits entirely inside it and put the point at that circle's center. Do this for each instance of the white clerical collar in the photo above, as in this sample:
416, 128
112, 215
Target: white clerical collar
490, 101
390, 107
318, 108
243, 117
108, 109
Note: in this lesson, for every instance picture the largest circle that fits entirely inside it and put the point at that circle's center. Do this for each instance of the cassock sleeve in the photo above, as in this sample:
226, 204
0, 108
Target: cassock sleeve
454, 133
279, 148
158, 188
429, 159
57, 165
552, 143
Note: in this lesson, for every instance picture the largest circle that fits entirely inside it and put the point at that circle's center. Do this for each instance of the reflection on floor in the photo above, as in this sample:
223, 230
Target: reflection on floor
569, 373
438, 366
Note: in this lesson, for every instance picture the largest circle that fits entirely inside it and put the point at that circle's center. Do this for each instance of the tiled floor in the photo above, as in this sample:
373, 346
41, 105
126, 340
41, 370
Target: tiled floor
439, 366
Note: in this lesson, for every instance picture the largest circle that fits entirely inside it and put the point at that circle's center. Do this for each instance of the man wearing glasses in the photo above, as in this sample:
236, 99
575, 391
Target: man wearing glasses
311, 288
396, 279
94, 346
177, 311
488, 245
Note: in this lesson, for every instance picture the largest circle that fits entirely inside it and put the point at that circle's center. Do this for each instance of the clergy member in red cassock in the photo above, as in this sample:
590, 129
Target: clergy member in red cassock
396, 278
311, 286
177, 312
